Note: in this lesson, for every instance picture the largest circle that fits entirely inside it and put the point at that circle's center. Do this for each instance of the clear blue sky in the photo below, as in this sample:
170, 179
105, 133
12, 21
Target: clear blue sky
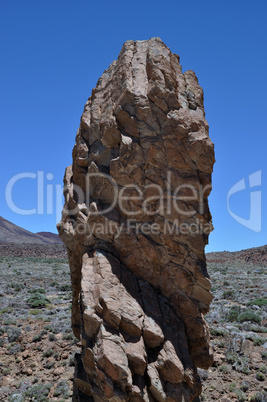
53, 52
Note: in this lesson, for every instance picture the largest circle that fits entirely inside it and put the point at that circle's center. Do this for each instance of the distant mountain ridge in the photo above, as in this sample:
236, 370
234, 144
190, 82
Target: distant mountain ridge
11, 233
255, 255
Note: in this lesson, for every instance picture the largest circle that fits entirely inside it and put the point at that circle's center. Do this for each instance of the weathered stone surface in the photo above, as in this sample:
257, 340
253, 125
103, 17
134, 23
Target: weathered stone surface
135, 222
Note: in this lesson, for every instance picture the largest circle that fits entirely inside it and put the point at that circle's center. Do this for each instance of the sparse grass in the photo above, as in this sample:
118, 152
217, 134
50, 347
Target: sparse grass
224, 368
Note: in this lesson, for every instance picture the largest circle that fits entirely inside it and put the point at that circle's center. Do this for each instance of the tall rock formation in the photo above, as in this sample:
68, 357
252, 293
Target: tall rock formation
135, 223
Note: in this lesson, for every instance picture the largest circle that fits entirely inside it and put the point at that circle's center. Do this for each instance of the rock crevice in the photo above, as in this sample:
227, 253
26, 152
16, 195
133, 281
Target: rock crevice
135, 222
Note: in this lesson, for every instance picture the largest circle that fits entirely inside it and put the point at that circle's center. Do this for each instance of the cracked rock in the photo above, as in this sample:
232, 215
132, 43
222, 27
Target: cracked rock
135, 222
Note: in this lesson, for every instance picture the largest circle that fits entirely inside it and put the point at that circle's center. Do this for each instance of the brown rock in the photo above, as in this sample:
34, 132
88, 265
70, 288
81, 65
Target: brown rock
59, 371
136, 354
135, 222
111, 357
152, 333
169, 365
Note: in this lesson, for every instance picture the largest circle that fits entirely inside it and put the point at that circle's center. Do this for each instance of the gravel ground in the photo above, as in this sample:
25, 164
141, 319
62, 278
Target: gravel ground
37, 345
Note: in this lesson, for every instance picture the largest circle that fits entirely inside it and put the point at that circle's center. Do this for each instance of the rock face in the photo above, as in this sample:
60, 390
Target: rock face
135, 222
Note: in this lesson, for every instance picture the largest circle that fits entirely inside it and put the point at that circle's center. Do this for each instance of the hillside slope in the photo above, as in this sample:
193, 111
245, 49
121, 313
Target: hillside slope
11, 233
255, 255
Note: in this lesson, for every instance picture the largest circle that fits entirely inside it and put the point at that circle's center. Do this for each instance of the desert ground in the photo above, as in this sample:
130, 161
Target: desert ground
37, 345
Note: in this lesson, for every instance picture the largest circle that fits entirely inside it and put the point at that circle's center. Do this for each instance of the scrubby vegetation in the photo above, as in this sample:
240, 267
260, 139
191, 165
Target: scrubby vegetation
38, 347
36, 339
238, 326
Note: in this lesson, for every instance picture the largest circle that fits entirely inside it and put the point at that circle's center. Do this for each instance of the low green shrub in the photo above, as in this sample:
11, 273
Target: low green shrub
34, 312
228, 294
231, 358
13, 334
260, 376
49, 365
258, 341
232, 387
48, 353
38, 300
248, 316
72, 361
233, 314
240, 395
52, 337
68, 337
54, 284
37, 338
17, 287
245, 386
37, 290
62, 389
224, 368
10, 321
258, 328
217, 331
261, 301
263, 369
259, 397
6, 310
65, 288
38, 392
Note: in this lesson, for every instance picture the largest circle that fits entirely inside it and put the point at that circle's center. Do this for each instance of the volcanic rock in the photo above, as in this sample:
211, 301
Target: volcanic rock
135, 223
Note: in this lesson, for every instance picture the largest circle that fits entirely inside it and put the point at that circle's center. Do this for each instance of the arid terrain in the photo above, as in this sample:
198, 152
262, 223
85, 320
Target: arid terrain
37, 345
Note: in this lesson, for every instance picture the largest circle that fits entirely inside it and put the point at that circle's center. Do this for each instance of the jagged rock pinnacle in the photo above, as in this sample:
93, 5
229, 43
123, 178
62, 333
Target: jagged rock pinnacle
136, 222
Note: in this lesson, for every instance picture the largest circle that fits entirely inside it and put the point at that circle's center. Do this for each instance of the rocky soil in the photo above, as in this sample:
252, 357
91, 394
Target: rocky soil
255, 255
33, 250
37, 346
238, 326
36, 342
